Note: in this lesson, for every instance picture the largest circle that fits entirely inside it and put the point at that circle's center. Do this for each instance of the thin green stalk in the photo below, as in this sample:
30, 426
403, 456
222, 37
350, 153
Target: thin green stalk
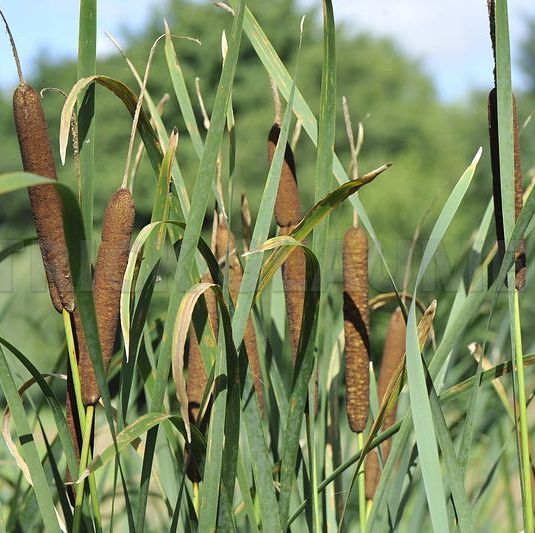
81, 412
71, 349
83, 464
312, 459
524, 442
95, 502
362, 495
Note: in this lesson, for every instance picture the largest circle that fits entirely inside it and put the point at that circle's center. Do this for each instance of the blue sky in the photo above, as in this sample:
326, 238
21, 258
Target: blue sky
450, 38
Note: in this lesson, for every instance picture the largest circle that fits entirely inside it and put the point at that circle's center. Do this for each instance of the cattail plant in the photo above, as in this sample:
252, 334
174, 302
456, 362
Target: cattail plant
47, 209
356, 327
393, 352
111, 265
46, 204
287, 215
225, 242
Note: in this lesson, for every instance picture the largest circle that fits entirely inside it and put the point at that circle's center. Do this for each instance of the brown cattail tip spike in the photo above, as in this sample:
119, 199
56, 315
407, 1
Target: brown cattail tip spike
393, 352
356, 327
287, 205
492, 24
111, 265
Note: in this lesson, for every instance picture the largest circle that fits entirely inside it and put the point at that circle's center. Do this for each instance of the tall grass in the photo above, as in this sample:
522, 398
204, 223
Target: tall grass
255, 455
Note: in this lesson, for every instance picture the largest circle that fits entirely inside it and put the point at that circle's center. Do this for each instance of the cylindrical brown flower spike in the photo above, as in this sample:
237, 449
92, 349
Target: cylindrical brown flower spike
294, 282
356, 327
111, 265
47, 207
520, 255
225, 239
196, 382
287, 205
393, 352
288, 215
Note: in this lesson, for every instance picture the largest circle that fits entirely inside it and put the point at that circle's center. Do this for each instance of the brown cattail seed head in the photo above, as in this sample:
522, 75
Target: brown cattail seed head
520, 256
356, 327
196, 382
287, 205
393, 352
225, 240
294, 281
47, 207
111, 265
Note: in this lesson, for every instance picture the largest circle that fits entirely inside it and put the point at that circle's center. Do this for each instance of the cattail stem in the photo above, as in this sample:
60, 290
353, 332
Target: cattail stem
309, 421
88, 427
13, 48
74, 366
527, 498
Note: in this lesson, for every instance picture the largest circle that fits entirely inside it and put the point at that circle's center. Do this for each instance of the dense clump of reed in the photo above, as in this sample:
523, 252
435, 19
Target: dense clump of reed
288, 215
356, 327
46, 204
225, 241
111, 265
393, 351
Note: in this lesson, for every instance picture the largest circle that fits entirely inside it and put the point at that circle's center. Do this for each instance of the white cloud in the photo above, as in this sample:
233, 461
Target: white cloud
451, 37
